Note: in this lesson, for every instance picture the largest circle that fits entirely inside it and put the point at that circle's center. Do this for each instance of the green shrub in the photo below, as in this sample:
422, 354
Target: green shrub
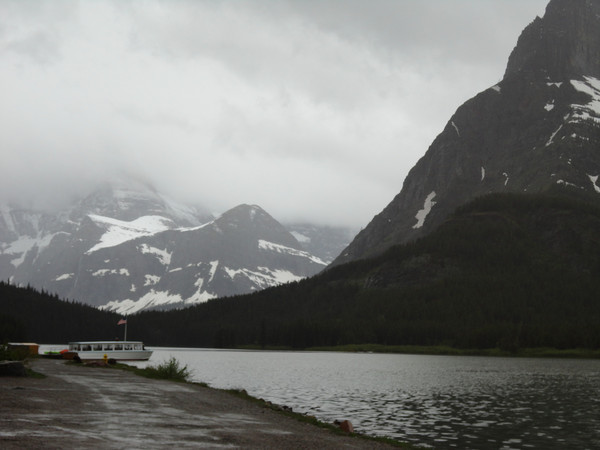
169, 370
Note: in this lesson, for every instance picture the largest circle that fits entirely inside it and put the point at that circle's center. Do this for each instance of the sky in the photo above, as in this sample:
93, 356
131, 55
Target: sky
314, 110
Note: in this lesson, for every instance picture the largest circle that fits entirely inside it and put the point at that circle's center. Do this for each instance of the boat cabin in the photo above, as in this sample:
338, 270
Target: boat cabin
105, 346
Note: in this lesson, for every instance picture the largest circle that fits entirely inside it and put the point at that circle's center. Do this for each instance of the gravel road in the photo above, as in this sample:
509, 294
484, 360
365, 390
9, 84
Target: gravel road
103, 408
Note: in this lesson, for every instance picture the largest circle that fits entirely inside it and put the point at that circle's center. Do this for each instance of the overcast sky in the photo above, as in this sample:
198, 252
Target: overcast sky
313, 109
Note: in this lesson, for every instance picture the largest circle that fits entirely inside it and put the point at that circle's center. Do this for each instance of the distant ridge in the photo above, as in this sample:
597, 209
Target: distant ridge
126, 248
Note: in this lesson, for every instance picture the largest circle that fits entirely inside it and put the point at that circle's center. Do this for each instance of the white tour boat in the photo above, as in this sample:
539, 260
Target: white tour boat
117, 350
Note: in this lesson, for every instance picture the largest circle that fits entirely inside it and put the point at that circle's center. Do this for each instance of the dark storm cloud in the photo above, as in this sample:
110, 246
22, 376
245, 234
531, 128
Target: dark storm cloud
315, 110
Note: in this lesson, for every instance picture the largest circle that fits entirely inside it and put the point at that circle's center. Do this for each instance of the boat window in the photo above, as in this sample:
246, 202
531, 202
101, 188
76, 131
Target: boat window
97, 347
108, 346
86, 348
118, 347
137, 346
127, 346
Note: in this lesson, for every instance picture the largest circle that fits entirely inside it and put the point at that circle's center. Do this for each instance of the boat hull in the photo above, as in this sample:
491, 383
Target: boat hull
124, 355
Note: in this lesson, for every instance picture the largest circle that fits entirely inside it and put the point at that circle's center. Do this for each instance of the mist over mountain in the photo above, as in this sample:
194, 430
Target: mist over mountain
537, 128
323, 241
125, 247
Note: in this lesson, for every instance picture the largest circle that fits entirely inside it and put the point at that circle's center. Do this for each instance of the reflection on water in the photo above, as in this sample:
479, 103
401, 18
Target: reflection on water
439, 401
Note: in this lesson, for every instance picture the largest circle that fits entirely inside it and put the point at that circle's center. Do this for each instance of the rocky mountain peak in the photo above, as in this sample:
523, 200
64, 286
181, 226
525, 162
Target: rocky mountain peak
536, 130
128, 198
257, 224
564, 43
245, 213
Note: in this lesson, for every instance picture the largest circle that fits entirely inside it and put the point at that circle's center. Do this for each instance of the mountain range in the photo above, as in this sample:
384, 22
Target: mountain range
125, 247
492, 240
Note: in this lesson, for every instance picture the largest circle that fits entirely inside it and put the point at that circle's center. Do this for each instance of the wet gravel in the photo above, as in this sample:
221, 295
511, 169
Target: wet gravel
86, 407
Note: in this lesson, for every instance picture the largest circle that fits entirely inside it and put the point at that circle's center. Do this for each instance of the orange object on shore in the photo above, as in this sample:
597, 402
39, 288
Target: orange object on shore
346, 426
66, 354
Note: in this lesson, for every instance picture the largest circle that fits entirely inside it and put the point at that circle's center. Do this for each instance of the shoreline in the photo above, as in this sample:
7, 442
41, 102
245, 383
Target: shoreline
442, 350
74, 406
536, 352
151, 372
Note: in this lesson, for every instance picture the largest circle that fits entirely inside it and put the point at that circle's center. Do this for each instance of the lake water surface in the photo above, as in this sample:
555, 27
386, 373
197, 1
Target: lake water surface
437, 401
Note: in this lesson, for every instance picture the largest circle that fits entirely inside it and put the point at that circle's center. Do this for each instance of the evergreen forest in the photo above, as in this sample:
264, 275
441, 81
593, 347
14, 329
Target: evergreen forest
505, 271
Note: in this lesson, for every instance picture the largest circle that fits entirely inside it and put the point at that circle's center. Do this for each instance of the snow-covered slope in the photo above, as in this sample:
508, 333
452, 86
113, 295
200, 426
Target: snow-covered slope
127, 248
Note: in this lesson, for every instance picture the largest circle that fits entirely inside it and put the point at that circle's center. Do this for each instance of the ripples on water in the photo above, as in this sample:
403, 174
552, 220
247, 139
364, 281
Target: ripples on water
439, 401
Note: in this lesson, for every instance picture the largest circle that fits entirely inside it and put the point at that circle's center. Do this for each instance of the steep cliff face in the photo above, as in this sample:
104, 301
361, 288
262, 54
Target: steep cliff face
539, 127
563, 44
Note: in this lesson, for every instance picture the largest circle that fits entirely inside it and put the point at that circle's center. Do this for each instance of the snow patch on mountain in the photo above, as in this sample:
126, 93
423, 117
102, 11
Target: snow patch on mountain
253, 211
119, 231
104, 272
151, 280
280, 276
594, 180
156, 299
199, 297
423, 213
566, 183
551, 140
64, 276
199, 227
455, 128
266, 245
591, 110
149, 300
265, 277
20, 248
7, 218
24, 244
213, 270
162, 255
300, 237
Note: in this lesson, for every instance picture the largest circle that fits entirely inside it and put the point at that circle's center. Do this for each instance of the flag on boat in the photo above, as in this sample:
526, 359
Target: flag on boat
122, 322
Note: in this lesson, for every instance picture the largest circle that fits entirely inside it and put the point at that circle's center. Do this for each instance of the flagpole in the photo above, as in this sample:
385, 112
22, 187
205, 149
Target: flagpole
123, 322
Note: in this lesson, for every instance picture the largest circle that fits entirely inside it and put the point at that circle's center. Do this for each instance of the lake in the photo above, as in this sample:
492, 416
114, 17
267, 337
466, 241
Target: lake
436, 401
